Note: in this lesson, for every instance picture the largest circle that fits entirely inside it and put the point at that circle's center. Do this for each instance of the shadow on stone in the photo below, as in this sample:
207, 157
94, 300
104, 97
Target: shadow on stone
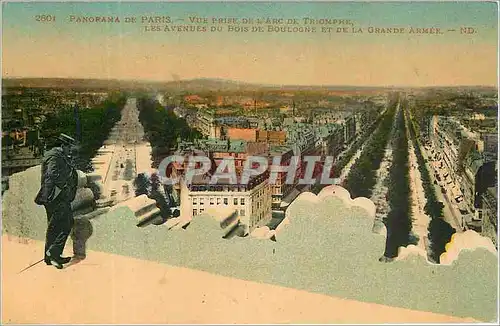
82, 231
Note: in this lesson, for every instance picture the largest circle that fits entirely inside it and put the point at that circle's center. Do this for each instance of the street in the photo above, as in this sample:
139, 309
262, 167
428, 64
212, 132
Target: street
420, 221
449, 213
128, 154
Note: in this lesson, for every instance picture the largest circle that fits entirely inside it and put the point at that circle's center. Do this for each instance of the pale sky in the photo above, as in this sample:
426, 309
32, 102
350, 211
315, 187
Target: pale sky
127, 51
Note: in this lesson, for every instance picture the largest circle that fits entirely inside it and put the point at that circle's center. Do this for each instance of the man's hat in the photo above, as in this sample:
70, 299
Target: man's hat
65, 139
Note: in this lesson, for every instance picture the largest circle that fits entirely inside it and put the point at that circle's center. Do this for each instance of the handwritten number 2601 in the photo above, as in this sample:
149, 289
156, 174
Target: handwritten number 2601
45, 18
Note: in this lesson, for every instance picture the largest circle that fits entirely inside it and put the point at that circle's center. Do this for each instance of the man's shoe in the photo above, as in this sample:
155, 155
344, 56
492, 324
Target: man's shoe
79, 257
56, 261
56, 264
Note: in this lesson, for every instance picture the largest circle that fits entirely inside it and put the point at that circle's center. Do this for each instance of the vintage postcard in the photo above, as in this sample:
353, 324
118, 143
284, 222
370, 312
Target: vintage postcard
249, 162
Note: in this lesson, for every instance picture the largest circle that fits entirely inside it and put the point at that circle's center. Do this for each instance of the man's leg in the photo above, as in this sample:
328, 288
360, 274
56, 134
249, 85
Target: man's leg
62, 222
51, 232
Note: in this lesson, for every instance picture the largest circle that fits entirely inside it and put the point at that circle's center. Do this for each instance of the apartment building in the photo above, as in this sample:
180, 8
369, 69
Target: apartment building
255, 122
332, 138
303, 140
489, 214
247, 134
464, 171
282, 193
232, 121
251, 202
452, 142
207, 125
301, 137
257, 135
271, 137
490, 143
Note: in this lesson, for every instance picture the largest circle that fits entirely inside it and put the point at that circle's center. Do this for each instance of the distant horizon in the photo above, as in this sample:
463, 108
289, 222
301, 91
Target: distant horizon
248, 83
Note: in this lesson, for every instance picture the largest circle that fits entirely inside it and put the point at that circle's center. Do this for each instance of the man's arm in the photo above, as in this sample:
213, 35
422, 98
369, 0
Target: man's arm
54, 179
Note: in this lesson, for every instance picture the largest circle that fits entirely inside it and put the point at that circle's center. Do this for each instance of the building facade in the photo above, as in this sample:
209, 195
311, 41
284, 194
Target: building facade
332, 139
489, 214
465, 173
207, 125
271, 137
247, 134
251, 202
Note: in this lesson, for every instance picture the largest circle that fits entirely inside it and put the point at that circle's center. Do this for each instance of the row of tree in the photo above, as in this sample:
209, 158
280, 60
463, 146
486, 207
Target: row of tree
350, 152
440, 231
163, 128
433, 207
90, 127
398, 221
363, 174
358, 142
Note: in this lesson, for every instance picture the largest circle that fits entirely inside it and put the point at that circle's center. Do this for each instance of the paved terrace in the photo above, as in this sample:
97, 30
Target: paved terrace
109, 288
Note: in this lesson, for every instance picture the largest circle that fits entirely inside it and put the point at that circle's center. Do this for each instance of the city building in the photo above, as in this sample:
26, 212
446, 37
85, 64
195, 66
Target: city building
479, 177
490, 140
242, 134
255, 122
332, 139
251, 202
489, 214
232, 121
465, 172
194, 99
271, 137
301, 137
451, 144
207, 125
283, 193
21, 149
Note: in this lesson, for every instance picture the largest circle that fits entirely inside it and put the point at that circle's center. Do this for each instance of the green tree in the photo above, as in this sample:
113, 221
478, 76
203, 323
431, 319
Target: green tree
162, 128
362, 176
96, 123
398, 221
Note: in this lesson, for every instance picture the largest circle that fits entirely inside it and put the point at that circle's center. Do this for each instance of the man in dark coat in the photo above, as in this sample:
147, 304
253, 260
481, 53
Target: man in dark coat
58, 189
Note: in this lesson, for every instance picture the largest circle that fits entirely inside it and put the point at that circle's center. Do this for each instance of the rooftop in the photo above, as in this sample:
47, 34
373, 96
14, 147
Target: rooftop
202, 183
279, 150
217, 145
326, 129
